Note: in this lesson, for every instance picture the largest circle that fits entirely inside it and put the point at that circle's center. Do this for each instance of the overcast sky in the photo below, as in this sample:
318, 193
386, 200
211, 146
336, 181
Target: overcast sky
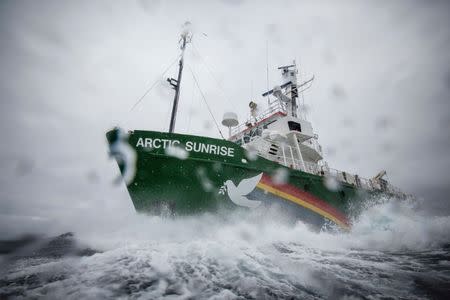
70, 70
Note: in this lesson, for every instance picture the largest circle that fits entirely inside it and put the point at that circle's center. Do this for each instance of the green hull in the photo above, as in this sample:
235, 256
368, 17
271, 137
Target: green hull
189, 177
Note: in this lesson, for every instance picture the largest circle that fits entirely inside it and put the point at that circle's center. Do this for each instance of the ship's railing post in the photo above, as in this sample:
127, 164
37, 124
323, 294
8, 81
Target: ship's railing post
284, 154
292, 157
297, 144
313, 168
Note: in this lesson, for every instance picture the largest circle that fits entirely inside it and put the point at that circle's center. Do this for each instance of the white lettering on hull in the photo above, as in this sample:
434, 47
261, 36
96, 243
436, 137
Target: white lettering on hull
190, 146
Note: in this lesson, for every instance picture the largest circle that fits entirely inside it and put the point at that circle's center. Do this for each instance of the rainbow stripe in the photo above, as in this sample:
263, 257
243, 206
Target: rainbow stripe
293, 194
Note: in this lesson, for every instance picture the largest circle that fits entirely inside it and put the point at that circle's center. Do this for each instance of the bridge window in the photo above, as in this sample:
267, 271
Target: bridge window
294, 126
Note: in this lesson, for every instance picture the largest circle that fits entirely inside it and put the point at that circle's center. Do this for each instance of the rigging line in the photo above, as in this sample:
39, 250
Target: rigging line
212, 74
304, 107
190, 107
305, 114
267, 69
204, 100
154, 84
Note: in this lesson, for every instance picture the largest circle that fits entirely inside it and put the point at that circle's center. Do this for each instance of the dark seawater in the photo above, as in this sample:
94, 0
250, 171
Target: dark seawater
392, 252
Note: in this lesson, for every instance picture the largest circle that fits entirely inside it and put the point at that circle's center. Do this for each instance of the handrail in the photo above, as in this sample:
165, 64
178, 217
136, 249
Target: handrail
324, 170
273, 108
314, 144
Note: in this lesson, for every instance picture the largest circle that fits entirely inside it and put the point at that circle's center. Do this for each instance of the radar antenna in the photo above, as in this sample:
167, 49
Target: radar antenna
290, 87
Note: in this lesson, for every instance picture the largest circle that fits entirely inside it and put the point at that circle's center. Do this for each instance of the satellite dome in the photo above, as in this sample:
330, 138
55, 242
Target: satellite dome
230, 119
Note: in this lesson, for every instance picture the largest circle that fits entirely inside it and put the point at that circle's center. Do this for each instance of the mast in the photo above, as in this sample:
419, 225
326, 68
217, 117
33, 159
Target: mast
289, 74
175, 83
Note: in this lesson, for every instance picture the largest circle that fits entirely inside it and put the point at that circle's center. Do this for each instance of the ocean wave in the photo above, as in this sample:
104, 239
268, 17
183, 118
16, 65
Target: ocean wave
392, 250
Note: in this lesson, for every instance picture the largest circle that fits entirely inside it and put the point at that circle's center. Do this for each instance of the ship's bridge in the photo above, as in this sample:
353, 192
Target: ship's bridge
282, 134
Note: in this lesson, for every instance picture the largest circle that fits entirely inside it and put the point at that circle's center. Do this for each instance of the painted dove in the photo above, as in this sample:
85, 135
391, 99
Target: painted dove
246, 186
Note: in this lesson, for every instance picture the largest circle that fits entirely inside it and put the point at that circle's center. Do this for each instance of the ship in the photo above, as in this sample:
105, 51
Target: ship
272, 159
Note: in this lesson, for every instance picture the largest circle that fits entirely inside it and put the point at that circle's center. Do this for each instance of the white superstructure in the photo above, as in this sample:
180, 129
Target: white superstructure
280, 132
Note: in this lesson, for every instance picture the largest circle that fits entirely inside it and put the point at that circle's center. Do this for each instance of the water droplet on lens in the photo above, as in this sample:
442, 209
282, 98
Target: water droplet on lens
217, 167
207, 125
338, 92
251, 153
280, 176
384, 123
332, 183
206, 183
177, 152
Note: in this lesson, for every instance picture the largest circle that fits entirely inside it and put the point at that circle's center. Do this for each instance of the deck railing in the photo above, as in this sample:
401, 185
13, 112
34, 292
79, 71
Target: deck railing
314, 144
273, 108
287, 157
